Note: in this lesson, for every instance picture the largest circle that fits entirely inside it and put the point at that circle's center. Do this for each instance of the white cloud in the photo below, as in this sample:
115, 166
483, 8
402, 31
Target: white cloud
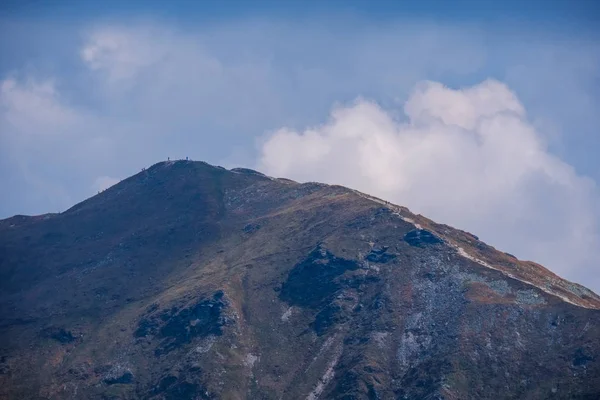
121, 53
49, 145
463, 108
467, 157
34, 107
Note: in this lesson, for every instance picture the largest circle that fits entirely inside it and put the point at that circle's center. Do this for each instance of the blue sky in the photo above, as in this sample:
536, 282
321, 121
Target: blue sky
459, 10
480, 114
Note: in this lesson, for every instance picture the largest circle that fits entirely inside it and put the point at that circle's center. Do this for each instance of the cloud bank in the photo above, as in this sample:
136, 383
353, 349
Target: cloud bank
466, 157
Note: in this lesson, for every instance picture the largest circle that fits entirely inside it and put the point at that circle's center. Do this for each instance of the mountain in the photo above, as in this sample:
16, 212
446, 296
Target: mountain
188, 281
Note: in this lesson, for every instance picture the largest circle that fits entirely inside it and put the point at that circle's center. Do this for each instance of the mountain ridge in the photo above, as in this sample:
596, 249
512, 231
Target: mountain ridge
408, 216
193, 281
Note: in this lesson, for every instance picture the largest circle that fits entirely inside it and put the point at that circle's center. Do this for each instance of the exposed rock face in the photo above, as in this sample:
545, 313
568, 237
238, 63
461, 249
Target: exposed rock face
188, 281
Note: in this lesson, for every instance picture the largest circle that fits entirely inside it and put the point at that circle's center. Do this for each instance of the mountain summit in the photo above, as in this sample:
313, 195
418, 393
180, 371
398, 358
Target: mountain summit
189, 281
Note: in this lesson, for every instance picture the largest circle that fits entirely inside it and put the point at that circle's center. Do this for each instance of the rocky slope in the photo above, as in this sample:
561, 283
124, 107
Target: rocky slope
188, 281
